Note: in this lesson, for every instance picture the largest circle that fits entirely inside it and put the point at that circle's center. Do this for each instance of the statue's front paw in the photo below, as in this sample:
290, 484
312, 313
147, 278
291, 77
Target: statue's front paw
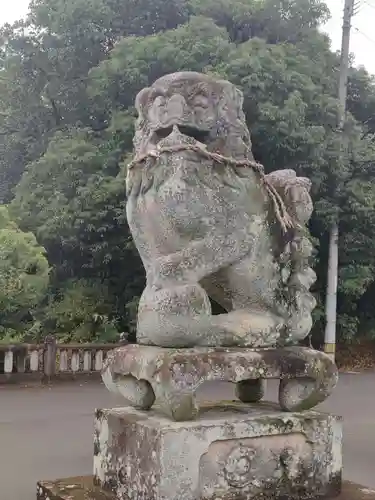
246, 328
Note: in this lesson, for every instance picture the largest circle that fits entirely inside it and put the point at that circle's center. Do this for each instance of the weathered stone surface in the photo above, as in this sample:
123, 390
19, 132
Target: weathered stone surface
232, 454
141, 373
72, 488
208, 223
52, 490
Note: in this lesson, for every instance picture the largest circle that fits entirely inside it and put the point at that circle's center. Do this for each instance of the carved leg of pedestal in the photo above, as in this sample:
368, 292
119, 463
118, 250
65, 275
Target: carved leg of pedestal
139, 393
298, 394
305, 388
250, 390
177, 404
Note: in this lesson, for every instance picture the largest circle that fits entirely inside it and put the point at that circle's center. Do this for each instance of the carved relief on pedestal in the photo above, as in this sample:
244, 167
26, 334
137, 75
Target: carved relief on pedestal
275, 464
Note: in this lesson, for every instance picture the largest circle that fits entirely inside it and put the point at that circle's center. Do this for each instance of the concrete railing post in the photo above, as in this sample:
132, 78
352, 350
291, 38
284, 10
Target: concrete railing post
50, 350
20, 360
8, 362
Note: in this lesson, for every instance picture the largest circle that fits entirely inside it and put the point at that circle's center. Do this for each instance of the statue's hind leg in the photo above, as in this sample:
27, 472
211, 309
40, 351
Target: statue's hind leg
168, 317
180, 316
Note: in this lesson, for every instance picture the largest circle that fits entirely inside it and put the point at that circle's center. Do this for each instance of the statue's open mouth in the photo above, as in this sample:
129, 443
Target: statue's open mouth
189, 131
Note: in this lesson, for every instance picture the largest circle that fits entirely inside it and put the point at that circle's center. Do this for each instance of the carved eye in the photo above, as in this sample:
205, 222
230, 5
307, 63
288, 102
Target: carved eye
159, 101
156, 94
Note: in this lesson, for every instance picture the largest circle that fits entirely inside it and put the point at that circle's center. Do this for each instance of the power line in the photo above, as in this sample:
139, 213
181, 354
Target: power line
367, 2
364, 34
357, 7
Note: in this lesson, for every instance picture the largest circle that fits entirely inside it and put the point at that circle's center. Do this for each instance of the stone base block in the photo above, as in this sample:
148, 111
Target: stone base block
72, 488
82, 488
231, 452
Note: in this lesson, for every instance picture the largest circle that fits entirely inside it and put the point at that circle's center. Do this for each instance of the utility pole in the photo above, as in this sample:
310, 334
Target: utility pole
332, 274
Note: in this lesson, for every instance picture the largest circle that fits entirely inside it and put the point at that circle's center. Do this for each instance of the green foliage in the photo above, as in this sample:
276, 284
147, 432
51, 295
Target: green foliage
10, 336
82, 313
73, 198
24, 275
136, 62
286, 102
103, 21
274, 21
69, 76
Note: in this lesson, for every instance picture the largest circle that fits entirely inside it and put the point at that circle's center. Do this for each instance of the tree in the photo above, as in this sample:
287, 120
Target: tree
24, 275
136, 62
104, 21
81, 312
274, 21
361, 98
74, 199
69, 77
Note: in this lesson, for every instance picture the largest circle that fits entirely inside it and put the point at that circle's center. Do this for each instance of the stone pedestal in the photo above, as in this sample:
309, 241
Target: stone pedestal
230, 453
143, 374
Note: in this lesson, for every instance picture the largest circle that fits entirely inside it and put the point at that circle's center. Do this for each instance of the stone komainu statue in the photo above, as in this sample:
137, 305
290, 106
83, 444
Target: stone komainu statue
209, 224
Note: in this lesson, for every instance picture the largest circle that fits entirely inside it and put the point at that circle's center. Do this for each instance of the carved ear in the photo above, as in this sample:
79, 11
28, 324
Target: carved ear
141, 101
234, 95
238, 99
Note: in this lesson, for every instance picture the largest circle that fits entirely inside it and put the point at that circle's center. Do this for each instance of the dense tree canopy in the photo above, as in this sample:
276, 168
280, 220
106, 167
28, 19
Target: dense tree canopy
23, 277
68, 78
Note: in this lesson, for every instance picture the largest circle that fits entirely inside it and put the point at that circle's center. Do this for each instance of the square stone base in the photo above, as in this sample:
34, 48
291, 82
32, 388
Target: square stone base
235, 452
82, 488
72, 488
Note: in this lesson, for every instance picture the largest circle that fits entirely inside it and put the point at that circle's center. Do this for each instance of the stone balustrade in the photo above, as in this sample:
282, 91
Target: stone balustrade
51, 360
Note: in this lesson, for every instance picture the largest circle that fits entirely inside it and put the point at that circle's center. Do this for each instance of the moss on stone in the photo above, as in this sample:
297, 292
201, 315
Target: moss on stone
72, 488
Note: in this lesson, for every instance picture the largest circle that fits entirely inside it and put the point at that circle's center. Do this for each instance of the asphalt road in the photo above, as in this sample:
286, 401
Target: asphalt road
46, 433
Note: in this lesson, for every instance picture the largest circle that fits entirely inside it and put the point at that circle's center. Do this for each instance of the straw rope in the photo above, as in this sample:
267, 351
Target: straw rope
281, 212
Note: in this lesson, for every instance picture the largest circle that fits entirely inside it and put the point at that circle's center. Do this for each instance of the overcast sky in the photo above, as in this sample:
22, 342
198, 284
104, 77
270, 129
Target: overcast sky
362, 40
